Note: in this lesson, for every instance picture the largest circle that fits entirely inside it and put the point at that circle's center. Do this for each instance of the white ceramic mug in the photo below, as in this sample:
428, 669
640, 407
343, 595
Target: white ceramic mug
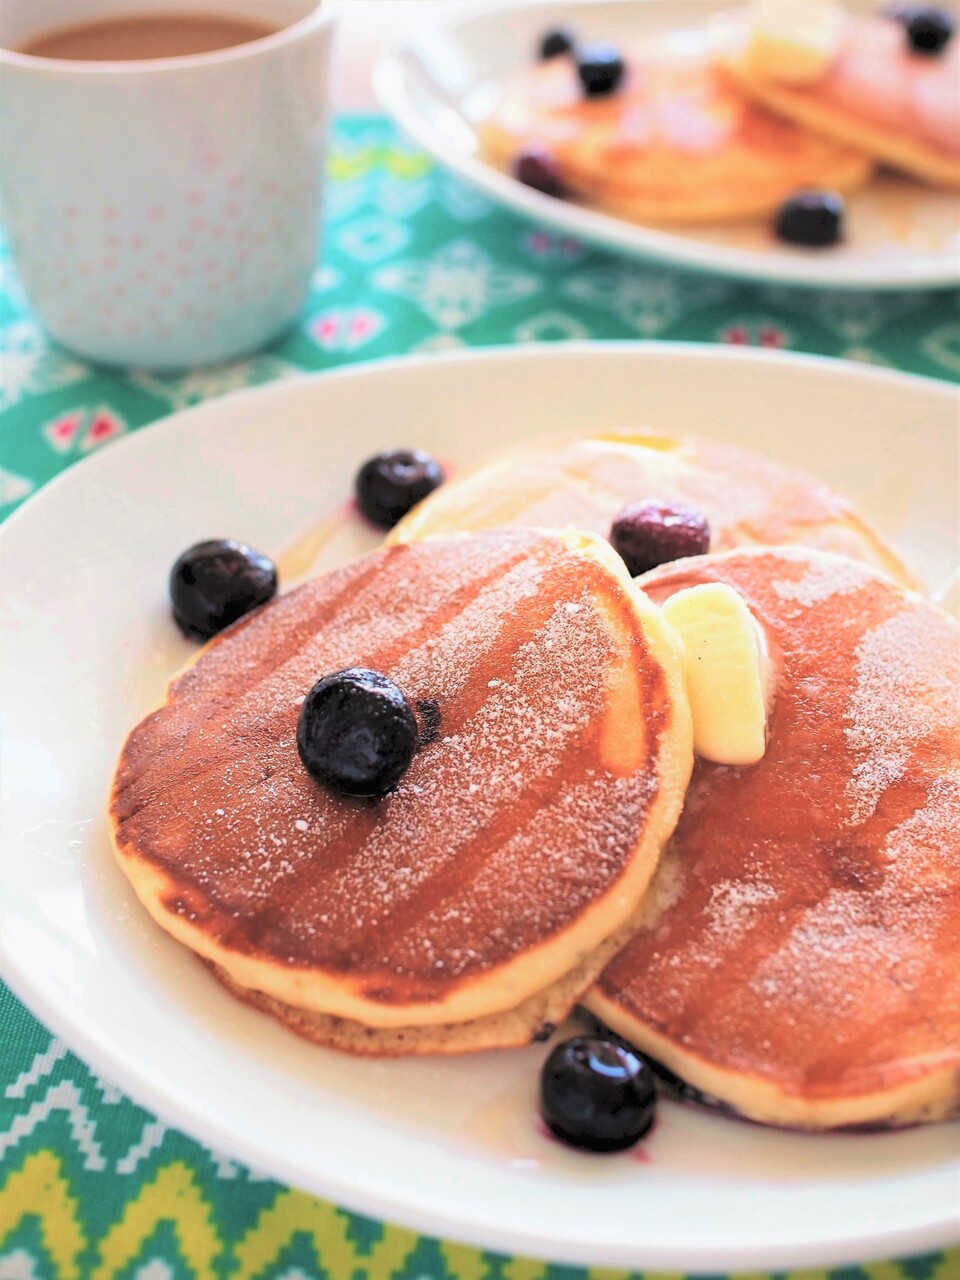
165, 213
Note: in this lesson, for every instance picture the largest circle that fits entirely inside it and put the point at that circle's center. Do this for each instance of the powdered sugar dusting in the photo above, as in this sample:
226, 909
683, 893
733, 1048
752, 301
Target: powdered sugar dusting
924, 850
447, 658
585, 826
474, 776
907, 671
822, 960
822, 579
733, 905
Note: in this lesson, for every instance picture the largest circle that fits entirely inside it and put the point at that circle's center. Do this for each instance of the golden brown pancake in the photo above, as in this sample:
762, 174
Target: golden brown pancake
676, 143
800, 956
899, 107
517, 843
584, 481
535, 1018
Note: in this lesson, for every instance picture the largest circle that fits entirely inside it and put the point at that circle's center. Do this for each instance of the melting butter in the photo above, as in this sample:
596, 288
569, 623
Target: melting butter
794, 42
726, 666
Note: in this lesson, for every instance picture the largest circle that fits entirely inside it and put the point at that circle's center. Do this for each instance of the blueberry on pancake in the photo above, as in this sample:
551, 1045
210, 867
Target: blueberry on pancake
478, 898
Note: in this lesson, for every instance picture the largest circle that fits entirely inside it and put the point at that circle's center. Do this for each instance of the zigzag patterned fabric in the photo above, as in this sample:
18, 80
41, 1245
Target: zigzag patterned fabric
91, 1186
95, 1188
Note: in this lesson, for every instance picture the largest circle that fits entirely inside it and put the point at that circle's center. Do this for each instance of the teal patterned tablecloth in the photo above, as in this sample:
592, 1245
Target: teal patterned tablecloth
91, 1185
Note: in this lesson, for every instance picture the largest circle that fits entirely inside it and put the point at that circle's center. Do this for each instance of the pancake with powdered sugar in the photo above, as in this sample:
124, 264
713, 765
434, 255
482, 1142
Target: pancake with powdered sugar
582, 482
516, 846
799, 957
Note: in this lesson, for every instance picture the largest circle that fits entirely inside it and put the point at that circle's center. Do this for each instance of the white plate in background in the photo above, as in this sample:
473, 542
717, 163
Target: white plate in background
450, 1147
901, 234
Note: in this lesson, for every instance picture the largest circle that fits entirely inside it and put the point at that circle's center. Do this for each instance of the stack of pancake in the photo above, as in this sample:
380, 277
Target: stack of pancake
475, 903
898, 107
702, 130
784, 938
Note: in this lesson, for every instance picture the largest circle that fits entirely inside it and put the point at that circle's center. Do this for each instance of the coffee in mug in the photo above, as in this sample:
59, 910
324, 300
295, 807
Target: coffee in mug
163, 212
144, 36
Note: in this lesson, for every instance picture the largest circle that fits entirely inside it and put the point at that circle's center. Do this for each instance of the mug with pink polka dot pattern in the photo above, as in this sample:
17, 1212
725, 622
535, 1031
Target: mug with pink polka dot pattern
165, 213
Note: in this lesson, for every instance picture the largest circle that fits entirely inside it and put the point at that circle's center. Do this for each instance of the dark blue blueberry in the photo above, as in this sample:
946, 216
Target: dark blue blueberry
600, 68
535, 167
646, 534
812, 218
555, 43
597, 1094
929, 28
392, 483
357, 733
214, 583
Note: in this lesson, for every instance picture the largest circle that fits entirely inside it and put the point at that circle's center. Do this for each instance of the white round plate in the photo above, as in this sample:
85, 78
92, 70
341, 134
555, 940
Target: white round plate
448, 1146
901, 234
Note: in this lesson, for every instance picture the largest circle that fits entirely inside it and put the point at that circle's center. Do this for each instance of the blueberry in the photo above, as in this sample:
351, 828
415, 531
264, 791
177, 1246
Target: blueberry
596, 1094
646, 534
535, 167
392, 483
214, 583
554, 43
357, 733
812, 218
600, 68
929, 29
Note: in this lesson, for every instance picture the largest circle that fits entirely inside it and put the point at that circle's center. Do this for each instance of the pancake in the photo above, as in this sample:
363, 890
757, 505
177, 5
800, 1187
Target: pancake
583, 482
799, 960
898, 107
517, 843
677, 143
534, 1019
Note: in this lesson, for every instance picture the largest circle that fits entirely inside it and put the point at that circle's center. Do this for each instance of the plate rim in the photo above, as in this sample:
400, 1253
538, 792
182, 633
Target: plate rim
658, 246
187, 1114
603, 348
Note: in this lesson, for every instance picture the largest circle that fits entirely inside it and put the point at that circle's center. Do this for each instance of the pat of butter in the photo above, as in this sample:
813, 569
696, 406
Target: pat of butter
725, 665
794, 41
